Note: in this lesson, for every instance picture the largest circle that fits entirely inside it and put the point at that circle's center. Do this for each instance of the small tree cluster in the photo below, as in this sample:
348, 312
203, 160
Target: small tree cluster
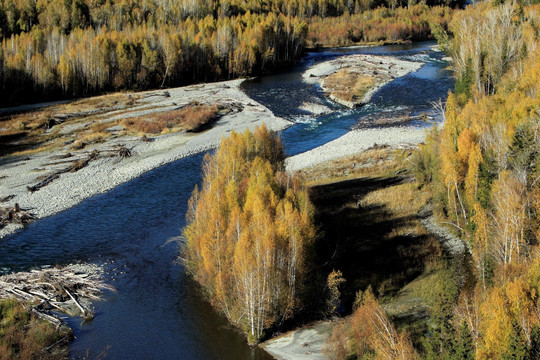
248, 228
371, 334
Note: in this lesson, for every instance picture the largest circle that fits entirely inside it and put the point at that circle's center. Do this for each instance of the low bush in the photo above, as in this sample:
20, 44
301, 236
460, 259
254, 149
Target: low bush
192, 118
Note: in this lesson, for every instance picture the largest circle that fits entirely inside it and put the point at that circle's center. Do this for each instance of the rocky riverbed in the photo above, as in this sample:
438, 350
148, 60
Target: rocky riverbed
108, 168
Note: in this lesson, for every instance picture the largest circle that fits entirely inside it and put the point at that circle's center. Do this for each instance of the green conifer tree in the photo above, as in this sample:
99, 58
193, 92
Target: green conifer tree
517, 348
463, 344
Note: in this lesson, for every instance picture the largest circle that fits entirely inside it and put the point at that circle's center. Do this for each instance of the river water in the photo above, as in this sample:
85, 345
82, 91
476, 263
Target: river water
158, 312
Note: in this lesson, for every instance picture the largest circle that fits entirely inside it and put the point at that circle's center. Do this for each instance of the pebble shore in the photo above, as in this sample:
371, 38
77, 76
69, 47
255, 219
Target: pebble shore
105, 173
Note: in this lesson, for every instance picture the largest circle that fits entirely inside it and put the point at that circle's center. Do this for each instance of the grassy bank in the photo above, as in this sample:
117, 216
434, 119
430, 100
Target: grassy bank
23, 336
368, 208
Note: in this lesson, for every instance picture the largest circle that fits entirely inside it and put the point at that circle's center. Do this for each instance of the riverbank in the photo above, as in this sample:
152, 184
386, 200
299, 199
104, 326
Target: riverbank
381, 215
364, 197
354, 142
307, 343
110, 168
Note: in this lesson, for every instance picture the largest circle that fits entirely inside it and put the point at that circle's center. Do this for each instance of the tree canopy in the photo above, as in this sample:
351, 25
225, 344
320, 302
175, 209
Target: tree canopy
483, 167
57, 48
247, 232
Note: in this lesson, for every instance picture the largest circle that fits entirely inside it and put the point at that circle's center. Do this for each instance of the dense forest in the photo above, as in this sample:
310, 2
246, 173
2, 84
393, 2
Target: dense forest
483, 169
52, 49
248, 229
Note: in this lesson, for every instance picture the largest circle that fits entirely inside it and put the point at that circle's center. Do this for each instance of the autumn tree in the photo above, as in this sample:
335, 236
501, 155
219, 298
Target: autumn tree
375, 334
335, 279
247, 232
508, 219
482, 167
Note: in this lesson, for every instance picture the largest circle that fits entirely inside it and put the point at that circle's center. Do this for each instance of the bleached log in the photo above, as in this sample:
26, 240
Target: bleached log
83, 310
50, 286
47, 317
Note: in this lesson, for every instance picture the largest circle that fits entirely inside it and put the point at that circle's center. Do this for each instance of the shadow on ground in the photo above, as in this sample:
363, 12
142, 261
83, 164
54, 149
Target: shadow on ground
360, 242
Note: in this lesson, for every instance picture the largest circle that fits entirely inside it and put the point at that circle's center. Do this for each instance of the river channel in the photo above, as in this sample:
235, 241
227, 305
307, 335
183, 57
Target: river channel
133, 230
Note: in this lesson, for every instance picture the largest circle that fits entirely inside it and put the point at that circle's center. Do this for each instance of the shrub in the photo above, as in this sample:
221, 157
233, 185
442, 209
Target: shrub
192, 118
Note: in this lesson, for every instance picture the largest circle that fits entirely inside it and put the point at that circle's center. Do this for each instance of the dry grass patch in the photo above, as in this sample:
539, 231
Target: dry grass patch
48, 145
349, 85
35, 131
37, 120
193, 118
98, 103
27, 122
89, 137
401, 199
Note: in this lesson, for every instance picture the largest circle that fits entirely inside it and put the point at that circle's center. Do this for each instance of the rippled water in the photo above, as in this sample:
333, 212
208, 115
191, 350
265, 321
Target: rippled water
158, 313
412, 93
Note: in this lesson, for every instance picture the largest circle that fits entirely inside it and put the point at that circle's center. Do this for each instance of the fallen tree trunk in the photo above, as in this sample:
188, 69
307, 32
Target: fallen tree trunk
84, 312
75, 166
43, 182
45, 315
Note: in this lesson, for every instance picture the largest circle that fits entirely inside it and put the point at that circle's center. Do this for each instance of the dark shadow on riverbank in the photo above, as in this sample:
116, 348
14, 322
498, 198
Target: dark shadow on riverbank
361, 242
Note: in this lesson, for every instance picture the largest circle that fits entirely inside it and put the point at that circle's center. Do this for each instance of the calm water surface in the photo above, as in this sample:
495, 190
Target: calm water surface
158, 312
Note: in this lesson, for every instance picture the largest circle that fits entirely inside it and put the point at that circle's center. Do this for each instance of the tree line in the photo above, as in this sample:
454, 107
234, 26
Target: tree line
484, 169
247, 234
17, 16
414, 23
72, 48
89, 61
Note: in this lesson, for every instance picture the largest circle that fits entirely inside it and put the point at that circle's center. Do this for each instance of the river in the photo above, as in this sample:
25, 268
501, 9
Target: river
158, 312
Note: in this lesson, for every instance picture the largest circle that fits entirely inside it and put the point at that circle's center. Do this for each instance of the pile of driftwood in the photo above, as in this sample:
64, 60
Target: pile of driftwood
14, 215
67, 289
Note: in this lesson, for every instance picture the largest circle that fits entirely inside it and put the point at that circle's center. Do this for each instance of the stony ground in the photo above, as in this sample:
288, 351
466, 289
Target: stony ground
108, 169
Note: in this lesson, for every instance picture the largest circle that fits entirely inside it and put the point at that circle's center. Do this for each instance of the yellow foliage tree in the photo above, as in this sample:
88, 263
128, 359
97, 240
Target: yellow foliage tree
508, 219
247, 232
375, 333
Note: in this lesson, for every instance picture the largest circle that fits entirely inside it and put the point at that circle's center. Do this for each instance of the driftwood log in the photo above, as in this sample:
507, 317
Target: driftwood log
389, 119
76, 165
15, 215
7, 198
123, 151
66, 289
